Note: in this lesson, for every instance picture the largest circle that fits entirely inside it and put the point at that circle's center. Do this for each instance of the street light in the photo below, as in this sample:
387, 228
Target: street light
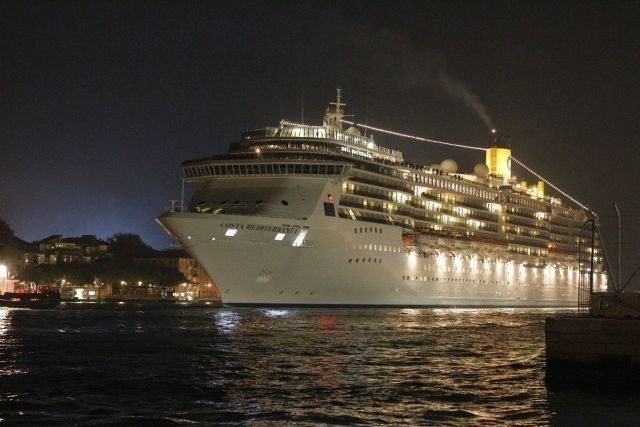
3, 278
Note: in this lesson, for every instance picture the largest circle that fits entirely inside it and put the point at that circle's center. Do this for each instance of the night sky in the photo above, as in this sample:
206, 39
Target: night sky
101, 101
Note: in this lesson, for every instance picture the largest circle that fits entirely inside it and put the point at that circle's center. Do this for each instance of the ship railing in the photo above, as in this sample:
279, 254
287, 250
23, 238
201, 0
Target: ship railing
265, 167
386, 185
175, 206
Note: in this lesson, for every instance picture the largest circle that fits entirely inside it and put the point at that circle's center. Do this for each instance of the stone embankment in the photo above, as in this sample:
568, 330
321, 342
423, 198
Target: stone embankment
600, 350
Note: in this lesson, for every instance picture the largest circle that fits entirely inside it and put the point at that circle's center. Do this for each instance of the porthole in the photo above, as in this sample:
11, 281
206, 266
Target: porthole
350, 259
224, 202
284, 202
259, 202
236, 202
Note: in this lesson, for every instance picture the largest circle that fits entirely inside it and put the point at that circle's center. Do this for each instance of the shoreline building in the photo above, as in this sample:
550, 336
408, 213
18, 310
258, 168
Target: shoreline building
199, 285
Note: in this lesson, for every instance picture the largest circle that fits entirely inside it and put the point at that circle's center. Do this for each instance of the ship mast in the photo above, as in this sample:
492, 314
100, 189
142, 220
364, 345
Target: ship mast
333, 117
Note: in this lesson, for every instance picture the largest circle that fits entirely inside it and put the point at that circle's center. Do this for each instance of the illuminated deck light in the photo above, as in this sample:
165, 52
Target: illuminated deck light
299, 239
231, 232
412, 258
280, 236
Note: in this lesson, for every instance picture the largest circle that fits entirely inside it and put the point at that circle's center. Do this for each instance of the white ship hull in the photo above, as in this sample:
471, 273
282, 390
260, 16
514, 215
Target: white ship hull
327, 260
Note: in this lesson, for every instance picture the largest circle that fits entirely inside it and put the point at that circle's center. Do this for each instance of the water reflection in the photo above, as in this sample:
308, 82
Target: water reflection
276, 313
226, 320
4, 321
10, 347
278, 367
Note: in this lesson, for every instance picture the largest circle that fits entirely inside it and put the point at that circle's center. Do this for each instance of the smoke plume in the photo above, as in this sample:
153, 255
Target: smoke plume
460, 90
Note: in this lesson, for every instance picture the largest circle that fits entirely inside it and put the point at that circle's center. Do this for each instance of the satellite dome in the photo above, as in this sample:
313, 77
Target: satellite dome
354, 131
449, 166
481, 170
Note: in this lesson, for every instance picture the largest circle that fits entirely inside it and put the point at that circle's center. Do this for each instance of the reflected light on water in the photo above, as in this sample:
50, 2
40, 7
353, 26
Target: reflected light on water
227, 321
4, 322
276, 313
9, 356
326, 321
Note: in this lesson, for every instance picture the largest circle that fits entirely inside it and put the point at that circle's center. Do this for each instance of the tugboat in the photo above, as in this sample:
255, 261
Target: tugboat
31, 297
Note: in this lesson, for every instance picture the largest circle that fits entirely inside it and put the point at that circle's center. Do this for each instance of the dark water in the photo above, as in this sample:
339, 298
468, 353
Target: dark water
283, 367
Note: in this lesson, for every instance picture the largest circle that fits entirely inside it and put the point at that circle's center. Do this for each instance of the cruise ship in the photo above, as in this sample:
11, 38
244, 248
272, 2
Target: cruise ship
297, 214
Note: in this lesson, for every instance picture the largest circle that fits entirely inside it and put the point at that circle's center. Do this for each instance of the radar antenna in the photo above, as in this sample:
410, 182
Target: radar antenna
333, 117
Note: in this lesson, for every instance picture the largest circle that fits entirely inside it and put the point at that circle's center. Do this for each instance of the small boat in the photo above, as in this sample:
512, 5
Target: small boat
40, 299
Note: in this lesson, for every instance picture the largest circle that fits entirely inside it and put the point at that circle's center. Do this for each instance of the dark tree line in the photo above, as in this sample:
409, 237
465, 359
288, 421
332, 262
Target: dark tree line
6, 233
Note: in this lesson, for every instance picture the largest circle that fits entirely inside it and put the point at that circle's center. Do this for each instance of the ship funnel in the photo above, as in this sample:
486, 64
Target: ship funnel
498, 156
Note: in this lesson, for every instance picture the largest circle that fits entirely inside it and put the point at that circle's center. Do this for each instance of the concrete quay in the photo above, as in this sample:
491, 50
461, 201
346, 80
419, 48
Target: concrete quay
601, 350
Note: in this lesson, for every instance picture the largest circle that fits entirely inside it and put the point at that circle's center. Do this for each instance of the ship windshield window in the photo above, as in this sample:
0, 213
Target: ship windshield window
284, 202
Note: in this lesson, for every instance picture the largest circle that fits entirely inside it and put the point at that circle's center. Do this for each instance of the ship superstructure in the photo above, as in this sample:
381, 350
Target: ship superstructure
300, 214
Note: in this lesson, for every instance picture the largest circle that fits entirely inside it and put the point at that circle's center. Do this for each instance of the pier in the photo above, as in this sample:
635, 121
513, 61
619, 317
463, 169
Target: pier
599, 350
